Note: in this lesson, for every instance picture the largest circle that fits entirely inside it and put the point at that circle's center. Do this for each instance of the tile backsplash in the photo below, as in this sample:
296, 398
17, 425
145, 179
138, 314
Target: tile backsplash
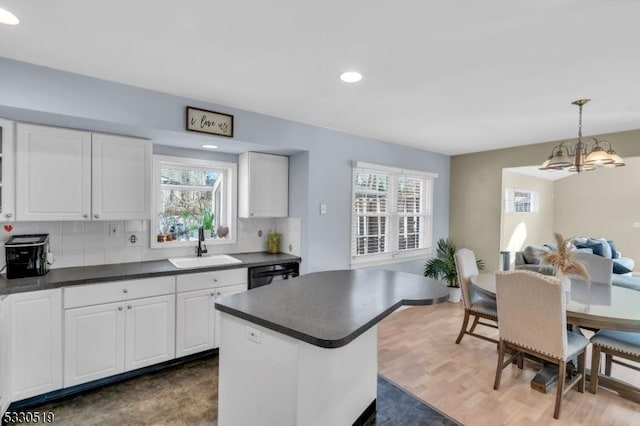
102, 242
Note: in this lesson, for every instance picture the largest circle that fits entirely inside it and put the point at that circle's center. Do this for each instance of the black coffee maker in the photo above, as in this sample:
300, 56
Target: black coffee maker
27, 255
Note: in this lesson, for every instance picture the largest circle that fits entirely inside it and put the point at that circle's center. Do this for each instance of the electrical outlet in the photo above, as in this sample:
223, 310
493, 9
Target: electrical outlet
323, 208
253, 335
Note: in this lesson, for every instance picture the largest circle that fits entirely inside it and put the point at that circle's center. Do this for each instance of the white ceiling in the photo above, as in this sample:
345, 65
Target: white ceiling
446, 76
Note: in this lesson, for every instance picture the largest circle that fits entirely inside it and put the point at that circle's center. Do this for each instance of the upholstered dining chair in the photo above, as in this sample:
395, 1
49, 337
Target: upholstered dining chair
618, 344
476, 304
600, 268
533, 320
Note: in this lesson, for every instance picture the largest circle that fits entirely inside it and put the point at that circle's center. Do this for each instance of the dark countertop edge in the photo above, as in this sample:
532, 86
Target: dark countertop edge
326, 343
132, 275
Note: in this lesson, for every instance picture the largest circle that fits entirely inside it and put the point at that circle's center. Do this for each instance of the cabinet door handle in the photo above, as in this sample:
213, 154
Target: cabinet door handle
129, 306
213, 294
86, 216
96, 216
8, 215
215, 280
124, 290
120, 308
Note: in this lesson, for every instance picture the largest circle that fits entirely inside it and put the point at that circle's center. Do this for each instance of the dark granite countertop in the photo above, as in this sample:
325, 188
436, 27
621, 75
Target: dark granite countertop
330, 309
64, 277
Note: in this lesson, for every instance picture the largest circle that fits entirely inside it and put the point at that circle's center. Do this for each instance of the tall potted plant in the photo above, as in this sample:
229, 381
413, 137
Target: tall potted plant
443, 267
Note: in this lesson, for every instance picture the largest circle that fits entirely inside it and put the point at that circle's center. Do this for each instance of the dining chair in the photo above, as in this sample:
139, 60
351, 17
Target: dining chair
618, 344
476, 304
600, 268
533, 321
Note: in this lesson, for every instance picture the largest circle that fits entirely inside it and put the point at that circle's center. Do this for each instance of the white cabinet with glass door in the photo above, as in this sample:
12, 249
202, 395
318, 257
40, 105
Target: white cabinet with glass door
264, 185
65, 174
7, 171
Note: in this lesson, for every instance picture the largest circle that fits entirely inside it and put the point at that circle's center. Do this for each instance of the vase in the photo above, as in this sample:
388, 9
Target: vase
454, 294
565, 280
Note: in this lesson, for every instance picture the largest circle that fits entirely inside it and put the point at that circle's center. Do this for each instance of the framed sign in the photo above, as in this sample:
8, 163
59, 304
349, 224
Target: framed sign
215, 123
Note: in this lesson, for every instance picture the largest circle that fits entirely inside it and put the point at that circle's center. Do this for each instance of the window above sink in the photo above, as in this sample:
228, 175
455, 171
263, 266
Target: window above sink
189, 193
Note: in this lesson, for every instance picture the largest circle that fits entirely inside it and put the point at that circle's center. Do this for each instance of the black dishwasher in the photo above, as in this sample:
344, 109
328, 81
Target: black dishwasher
264, 275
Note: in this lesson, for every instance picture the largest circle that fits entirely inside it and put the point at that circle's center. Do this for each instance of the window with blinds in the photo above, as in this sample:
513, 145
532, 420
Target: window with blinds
520, 201
391, 212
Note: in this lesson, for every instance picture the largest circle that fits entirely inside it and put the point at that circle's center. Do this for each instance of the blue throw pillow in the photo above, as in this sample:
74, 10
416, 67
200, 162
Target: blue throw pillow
596, 247
619, 268
614, 251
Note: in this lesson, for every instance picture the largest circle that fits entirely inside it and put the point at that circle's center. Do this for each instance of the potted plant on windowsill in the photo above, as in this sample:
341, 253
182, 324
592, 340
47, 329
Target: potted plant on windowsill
443, 267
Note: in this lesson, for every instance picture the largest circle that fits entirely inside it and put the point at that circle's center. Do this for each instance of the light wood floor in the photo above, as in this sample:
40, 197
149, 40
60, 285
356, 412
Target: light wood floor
417, 351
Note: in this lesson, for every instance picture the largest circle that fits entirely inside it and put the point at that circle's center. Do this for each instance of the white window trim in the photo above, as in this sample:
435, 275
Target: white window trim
394, 255
231, 185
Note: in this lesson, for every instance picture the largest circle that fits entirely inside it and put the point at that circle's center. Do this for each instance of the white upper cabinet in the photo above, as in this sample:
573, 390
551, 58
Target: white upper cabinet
53, 173
121, 167
263, 185
65, 174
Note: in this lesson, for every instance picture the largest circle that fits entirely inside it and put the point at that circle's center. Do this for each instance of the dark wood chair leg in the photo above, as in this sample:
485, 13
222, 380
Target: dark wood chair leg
595, 368
581, 365
496, 384
475, 322
520, 360
608, 359
463, 330
562, 374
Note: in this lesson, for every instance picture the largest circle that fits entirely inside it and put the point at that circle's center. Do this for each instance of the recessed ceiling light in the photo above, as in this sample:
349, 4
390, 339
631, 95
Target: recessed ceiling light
210, 146
351, 77
8, 18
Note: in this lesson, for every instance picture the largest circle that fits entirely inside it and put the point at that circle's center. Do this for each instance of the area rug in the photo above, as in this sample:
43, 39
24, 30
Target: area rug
396, 407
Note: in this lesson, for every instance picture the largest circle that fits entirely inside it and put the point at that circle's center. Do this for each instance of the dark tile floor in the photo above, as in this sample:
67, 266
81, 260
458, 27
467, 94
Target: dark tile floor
188, 395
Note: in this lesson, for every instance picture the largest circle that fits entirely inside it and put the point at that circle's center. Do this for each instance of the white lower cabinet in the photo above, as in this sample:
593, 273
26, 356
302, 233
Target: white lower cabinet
4, 358
196, 315
220, 292
149, 331
194, 321
127, 325
35, 343
94, 343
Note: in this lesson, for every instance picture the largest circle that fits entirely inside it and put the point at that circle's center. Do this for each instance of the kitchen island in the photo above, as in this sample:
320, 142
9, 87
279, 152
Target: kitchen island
304, 350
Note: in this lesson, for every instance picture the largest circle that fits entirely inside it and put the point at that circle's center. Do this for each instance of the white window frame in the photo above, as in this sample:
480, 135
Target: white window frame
229, 202
510, 200
392, 253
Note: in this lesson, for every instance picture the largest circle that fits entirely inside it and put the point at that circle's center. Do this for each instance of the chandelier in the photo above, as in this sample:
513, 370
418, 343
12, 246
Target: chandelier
584, 156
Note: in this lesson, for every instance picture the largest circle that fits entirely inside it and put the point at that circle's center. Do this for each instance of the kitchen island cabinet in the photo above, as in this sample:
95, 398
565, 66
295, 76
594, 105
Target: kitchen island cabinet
304, 350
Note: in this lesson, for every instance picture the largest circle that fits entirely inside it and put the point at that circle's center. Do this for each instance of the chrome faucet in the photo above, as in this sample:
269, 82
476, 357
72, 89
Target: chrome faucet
202, 248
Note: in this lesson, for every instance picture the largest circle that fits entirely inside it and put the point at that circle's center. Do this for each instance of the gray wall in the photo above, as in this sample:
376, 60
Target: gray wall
476, 198
321, 158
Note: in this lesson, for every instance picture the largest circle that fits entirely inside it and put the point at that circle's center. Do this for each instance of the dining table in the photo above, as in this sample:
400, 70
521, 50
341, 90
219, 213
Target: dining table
590, 305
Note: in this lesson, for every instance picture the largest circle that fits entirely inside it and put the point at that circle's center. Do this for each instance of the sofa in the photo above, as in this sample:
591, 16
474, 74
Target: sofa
622, 266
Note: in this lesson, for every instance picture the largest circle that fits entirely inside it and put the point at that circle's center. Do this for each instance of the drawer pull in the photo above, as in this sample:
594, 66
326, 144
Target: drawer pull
120, 308
213, 294
128, 306
125, 290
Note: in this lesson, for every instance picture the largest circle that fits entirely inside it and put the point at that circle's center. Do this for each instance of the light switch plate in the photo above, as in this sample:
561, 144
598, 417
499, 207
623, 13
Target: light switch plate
323, 208
253, 335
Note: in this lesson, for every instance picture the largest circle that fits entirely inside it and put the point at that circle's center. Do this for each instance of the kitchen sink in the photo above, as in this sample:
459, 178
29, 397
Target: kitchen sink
204, 261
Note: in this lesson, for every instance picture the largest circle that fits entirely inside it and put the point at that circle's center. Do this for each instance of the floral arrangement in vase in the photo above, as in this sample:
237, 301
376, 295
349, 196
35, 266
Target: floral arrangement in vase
562, 259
